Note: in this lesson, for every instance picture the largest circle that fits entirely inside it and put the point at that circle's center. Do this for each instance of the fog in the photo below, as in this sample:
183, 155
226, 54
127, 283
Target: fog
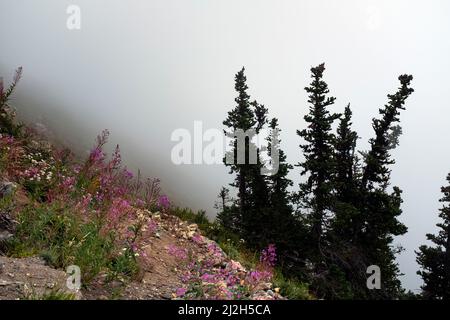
144, 68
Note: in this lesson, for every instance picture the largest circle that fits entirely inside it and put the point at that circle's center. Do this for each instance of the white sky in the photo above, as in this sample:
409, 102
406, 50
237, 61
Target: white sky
145, 68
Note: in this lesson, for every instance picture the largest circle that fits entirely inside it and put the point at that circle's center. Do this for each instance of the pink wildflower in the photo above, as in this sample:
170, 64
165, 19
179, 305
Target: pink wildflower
177, 252
181, 292
164, 202
197, 238
268, 256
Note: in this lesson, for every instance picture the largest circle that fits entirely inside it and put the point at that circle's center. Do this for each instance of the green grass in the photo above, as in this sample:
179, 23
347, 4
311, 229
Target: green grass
62, 239
291, 288
54, 294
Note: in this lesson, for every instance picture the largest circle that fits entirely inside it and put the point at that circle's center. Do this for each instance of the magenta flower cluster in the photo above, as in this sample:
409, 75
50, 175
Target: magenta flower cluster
104, 190
269, 256
211, 276
163, 202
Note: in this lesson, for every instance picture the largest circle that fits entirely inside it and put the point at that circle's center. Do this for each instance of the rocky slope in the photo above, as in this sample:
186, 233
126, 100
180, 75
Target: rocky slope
165, 274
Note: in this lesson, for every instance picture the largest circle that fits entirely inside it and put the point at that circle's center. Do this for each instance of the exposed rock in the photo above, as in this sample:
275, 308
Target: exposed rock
7, 188
30, 278
4, 236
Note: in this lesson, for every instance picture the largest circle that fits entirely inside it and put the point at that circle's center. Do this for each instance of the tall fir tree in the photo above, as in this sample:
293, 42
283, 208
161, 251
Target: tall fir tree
435, 261
380, 207
258, 181
339, 271
242, 117
250, 118
345, 179
281, 225
228, 213
279, 183
378, 159
316, 193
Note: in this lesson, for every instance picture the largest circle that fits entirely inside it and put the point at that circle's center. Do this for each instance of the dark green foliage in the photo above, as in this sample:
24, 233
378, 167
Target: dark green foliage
381, 208
279, 196
283, 227
350, 198
248, 118
242, 117
228, 212
435, 261
378, 158
347, 215
315, 194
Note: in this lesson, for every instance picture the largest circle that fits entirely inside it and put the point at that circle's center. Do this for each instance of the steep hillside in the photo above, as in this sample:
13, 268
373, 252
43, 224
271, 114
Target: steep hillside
117, 227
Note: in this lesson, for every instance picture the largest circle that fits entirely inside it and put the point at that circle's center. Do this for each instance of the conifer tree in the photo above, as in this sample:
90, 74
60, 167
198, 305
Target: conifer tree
435, 261
282, 228
258, 181
316, 193
242, 117
345, 179
227, 215
279, 183
378, 159
250, 118
365, 212
380, 207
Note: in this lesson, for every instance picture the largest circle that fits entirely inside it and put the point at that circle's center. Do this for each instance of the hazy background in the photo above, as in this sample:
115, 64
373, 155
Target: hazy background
144, 68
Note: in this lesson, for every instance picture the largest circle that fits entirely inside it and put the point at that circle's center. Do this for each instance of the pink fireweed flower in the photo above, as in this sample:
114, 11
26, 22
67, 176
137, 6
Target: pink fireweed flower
209, 278
139, 203
177, 252
197, 238
128, 174
180, 292
235, 266
232, 280
134, 247
268, 256
68, 183
84, 203
152, 227
97, 155
77, 168
118, 209
116, 158
186, 277
163, 202
214, 250
255, 277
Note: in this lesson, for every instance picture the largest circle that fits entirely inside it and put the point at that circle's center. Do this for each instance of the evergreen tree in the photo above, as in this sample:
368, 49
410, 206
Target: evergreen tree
279, 183
345, 179
250, 118
281, 226
258, 181
242, 117
435, 261
365, 213
379, 207
227, 215
378, 158
258, 227
316, 193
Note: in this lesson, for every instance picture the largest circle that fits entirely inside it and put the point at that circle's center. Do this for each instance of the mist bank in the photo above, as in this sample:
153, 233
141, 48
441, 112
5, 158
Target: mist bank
147, 68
